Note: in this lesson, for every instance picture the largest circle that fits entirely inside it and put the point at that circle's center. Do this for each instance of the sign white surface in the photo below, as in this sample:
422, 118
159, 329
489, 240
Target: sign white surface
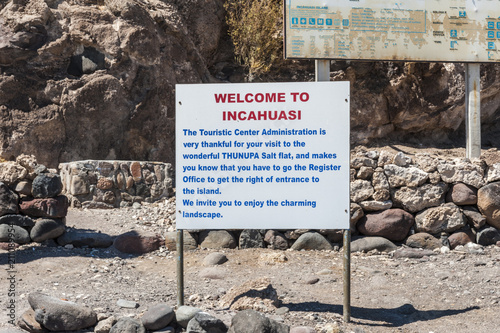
262, 155
411, 30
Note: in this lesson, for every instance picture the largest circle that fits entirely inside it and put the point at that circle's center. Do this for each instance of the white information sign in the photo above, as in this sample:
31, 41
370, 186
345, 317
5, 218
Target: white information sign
407, 30
262, 155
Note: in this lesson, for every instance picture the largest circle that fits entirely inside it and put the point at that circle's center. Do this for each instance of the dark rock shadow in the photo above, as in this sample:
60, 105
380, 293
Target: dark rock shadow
386, 317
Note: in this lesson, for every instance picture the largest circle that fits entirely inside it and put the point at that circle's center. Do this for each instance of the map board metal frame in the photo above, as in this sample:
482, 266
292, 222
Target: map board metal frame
406, 30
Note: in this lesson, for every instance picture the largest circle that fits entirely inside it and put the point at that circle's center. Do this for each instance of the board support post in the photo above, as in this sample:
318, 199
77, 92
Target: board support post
180, 267
347, 275
473, 110
322, 70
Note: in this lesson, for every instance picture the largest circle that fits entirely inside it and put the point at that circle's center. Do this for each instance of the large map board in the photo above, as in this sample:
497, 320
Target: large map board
416, 30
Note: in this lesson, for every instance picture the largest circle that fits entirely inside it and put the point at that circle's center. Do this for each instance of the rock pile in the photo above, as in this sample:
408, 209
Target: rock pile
51, 314
31, 205
425, 202
109, 184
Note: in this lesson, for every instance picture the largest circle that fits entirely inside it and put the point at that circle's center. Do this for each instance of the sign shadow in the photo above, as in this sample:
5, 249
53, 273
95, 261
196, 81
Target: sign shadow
385, 317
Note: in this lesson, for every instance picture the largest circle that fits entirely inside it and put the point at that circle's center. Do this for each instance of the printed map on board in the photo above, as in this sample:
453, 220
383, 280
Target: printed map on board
418, 30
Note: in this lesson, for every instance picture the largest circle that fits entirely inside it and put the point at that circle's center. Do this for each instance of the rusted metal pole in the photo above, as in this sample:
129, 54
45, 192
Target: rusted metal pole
180, 267
473, 110
347, 275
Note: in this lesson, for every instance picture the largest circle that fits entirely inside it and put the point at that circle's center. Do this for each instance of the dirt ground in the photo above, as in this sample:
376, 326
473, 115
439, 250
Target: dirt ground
453, 292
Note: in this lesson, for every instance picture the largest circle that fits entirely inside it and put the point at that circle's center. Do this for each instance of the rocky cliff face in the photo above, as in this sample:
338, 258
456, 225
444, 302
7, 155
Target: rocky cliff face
94, 79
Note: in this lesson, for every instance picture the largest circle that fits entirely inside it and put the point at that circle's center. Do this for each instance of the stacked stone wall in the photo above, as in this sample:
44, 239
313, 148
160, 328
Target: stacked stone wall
31, 205
112, 184
422, 201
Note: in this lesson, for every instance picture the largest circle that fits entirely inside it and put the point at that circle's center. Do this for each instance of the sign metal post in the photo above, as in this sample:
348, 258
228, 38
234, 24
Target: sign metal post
180, 267
473, 110
322, 73
322, 70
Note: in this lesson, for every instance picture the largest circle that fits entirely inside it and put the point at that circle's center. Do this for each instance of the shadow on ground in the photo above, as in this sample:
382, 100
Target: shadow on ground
51, 249
387, 317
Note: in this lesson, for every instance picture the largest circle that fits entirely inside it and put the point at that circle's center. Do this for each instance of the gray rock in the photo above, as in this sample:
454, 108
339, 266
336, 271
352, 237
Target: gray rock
250, 238
78, 185
215, 258
158, 317
58, 315
488, 236
402, 160
311, 280
47, 229
462, 172
379, 180
434, 178
374, 205
23, 187
189, 240
425, 162
423, 240
19, 220
251, 321
8, 200
217, 239
80, 238
366, 244
296, 233
14, 234
276, 240
11, 172
409, 252
311, 241
105, 325
46, 185
361, 190
474, 217
415, 199
203, 322
381, 195
473, 248
365, 173
384, 158
360, 161
127, 325
184, 314
493, 174
123, 303
399, 176
445, 218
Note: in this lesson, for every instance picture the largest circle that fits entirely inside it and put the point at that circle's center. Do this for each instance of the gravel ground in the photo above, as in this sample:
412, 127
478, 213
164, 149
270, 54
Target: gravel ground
452, 292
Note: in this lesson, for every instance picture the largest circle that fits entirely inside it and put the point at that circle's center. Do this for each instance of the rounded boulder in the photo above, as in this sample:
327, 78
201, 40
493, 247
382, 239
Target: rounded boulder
393, 224
488, 202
